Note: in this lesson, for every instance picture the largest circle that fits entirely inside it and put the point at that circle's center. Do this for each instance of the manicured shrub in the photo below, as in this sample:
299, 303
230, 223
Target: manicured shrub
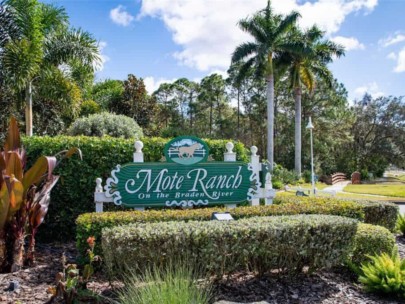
91, 224
385, 273
377, 213
74, 194
370, 240
106, 124
262, 244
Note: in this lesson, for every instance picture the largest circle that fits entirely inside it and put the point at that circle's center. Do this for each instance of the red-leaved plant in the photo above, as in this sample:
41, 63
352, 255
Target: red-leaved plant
24, 198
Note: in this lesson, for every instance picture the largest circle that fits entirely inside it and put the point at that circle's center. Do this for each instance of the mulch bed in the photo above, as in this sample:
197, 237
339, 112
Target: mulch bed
333, 286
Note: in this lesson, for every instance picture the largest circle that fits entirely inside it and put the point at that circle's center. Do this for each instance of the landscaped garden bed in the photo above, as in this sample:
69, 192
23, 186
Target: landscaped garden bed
337, 285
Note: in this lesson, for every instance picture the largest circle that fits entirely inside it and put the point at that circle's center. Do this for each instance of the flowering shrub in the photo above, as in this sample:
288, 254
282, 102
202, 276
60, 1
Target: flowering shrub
260, 244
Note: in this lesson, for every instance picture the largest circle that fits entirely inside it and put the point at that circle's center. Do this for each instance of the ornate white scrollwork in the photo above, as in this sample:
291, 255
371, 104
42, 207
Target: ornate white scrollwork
186, 203
255, 185
110, 187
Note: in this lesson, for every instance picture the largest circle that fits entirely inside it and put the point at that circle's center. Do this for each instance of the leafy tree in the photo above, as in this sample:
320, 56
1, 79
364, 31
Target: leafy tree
107, 93
379, 133
213, 96
42, 43
164, 96
271, 33
136, 103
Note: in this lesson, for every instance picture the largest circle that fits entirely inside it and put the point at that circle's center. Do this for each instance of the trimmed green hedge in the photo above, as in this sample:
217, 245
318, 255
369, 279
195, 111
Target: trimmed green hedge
377, 213
73, 195
370, 240
260, 243
91, 224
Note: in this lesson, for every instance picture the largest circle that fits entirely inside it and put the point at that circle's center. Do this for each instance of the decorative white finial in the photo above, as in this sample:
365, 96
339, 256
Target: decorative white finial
138, 146
99, 187
229, 147
253, 149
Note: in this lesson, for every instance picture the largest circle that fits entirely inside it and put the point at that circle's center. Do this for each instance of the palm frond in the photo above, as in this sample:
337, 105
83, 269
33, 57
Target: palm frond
243, 71
77, 45
287, 23
8, 26
324, 73
53, 17
21, 60
307, 78
244, 50
313, 34
254, 27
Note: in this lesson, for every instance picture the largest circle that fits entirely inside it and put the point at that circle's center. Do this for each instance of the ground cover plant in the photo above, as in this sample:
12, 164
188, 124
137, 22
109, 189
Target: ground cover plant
385, 273
176, 283
401, 224
378, 189
24, 199
260, 244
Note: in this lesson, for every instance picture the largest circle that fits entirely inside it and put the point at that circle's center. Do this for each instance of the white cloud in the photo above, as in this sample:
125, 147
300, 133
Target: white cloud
207, 30
392, 56
153, 84
120, 16
400, 62
350, 43
391, 40
104, 58
371, 88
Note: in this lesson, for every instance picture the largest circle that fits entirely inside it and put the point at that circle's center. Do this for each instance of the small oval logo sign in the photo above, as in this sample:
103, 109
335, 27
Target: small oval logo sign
186, 150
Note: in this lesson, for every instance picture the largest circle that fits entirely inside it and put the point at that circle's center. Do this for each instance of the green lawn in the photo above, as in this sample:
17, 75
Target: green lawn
378, 189
355, 196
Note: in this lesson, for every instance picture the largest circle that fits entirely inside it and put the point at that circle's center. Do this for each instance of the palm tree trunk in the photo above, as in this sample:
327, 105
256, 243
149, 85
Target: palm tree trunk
211, 106
28, 109
270, 120
298, 132
238, 132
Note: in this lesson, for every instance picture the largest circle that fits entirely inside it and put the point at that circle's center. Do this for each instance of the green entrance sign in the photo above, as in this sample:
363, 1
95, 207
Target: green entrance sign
171, 184
186, 179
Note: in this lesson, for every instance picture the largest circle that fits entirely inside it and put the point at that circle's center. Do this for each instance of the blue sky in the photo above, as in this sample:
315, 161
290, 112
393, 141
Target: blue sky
161, 40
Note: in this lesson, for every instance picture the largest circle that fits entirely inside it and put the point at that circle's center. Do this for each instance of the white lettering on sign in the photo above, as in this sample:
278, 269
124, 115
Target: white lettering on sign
198, 176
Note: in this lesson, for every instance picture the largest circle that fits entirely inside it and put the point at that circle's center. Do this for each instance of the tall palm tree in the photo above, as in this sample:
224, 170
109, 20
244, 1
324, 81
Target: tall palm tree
306, 66
44, 43
271, 39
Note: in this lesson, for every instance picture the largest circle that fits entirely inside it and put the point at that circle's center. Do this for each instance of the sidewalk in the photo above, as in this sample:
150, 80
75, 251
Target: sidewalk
338, 187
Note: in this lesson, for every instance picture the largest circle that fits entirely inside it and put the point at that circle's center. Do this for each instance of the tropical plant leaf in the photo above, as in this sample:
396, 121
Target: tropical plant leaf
13, 141
38, 171
41, 203
14, 165
16, 196
4, 204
